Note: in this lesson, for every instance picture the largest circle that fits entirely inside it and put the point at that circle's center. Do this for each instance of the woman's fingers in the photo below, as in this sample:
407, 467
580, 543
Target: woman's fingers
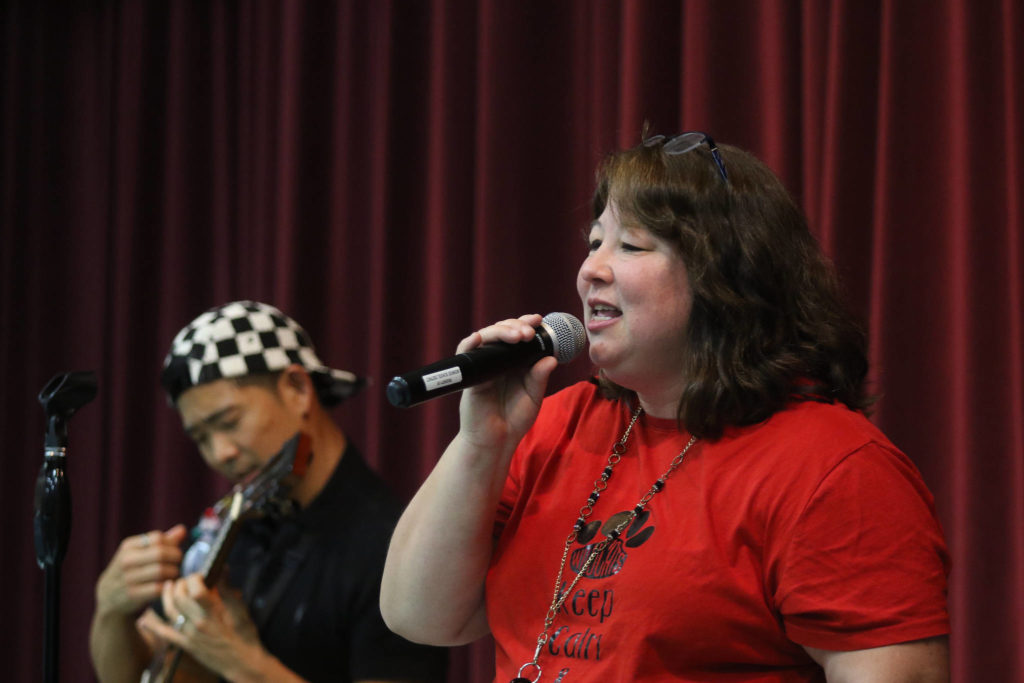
510, 331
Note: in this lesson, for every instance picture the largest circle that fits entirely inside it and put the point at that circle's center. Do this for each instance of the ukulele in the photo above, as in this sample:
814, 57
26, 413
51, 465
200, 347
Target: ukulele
267, 493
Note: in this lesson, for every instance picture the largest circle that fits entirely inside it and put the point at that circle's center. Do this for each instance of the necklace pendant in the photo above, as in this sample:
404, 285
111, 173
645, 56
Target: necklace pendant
615, 521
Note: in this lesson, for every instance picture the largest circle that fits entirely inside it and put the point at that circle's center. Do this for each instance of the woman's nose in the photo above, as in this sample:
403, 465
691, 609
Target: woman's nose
595, 267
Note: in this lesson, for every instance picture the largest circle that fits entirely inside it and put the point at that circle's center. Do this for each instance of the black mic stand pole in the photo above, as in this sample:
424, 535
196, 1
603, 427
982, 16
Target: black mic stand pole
60, 398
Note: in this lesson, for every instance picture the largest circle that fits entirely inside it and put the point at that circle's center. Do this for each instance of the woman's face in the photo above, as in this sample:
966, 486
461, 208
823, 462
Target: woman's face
636, 303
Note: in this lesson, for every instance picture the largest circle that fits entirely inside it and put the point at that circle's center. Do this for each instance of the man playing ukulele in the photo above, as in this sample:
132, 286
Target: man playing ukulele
300, 601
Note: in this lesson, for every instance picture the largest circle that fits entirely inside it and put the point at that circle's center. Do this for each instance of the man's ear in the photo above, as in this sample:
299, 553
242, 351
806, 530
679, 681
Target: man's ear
295, 387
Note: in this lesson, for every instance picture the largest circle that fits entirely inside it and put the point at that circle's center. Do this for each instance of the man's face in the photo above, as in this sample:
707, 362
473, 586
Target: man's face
238, 428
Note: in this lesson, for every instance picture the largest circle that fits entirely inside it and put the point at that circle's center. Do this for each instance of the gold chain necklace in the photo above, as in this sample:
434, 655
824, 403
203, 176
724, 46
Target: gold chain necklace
618, 522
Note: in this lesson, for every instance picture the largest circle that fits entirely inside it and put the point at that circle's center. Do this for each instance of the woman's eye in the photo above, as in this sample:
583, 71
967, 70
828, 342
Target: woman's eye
594, 245
626, 246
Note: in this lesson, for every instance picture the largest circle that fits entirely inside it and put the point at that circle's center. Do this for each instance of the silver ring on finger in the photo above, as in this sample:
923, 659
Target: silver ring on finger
180, 622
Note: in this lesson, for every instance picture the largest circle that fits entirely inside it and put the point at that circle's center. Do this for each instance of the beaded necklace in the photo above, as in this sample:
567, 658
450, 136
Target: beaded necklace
617, 524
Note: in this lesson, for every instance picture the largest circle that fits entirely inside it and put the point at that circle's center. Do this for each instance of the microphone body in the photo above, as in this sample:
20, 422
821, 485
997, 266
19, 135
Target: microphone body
559, 334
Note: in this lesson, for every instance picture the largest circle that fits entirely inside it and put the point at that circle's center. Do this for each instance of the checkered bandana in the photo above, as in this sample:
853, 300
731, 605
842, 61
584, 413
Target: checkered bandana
245, 338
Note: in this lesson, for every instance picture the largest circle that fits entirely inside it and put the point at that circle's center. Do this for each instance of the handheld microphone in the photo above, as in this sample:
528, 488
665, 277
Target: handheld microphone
559, 334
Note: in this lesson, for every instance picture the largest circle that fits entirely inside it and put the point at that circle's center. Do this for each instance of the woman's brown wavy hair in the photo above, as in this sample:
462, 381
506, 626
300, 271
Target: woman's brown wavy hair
768, 324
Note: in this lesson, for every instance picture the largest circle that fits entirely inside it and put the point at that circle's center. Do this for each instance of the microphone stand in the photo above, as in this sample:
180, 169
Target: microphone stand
60, 398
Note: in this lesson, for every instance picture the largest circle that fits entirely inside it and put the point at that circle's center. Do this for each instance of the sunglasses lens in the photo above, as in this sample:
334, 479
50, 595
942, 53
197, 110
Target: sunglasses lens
681, 144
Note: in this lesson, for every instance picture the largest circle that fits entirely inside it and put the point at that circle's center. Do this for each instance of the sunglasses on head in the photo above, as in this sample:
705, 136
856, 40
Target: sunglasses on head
684, 142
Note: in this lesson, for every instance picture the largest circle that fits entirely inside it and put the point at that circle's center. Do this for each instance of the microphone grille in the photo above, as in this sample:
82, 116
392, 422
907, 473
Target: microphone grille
567, 334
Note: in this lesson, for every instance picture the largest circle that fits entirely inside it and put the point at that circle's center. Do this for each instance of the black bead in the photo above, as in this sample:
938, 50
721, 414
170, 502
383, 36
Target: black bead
659, 485
613, 534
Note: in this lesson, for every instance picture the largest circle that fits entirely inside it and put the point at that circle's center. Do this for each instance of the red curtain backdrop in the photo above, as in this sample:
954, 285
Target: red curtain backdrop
396, 174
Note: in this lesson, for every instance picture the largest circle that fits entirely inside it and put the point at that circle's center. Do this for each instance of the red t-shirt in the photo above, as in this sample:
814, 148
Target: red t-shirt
810, 528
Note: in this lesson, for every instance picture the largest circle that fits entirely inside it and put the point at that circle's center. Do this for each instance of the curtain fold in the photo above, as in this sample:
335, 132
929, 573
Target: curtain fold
397, 174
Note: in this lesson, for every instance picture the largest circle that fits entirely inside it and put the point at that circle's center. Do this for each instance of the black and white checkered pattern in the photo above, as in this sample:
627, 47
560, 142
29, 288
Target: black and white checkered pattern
243, 338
